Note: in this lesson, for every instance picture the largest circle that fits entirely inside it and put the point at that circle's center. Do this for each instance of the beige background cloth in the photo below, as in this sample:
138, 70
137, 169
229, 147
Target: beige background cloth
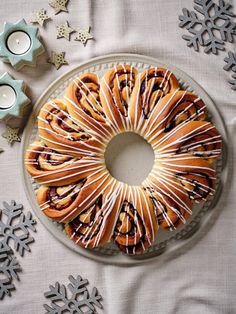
202, 277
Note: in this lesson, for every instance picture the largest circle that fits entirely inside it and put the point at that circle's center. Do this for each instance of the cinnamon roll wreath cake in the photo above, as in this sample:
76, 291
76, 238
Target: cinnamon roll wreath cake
67, 162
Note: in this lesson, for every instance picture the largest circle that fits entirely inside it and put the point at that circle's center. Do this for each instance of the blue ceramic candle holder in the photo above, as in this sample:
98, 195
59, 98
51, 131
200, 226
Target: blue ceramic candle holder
12, 98
19, 44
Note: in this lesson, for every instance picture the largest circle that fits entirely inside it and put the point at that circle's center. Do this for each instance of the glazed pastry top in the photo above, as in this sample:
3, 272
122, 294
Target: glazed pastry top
75, 186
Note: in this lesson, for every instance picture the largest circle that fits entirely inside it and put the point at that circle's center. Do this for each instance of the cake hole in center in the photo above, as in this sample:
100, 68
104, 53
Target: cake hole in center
129, 158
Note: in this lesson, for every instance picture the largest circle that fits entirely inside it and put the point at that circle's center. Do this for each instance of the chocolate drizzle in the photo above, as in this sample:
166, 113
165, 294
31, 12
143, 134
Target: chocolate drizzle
59, 198
129, 233
198, 185
87, 95
121, 86
62, 124
86, 226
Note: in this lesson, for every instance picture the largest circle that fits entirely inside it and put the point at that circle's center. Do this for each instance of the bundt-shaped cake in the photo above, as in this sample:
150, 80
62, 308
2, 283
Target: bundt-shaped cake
76, 188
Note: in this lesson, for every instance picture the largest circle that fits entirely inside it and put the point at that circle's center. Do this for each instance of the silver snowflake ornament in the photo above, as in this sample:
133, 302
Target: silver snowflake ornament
233, 82
83, 35
9, 268
16, 226
80, 300
230, 62
231, 65
212, 29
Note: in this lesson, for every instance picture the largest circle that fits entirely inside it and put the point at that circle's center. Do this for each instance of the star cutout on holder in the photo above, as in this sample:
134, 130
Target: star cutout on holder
11, 135
83, 35
59, 5
29, 57
57, 59
40, 17
21, 101
64, 30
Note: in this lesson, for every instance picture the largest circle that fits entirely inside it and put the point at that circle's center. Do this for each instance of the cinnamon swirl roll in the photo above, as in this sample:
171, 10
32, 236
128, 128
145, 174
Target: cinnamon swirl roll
198, 138
47, 166
94, 226
196, 175
84, 105
115, 93
171, 203
59, 131
136, 225
150, 87
173, 110
63, 203
69, 163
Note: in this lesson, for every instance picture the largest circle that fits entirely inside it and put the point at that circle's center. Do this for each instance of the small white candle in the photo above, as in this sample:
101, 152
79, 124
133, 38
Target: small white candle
18, 42
7, 96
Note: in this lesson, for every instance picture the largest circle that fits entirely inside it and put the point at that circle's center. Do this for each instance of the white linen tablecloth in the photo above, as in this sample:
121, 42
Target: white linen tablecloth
200, 278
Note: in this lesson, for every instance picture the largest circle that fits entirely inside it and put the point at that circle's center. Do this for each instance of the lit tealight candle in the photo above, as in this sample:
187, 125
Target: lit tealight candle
13, 100
7, 96
18, 42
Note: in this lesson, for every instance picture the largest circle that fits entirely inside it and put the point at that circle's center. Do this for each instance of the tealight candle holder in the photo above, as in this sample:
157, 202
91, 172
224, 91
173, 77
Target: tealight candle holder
13, 100
19, 44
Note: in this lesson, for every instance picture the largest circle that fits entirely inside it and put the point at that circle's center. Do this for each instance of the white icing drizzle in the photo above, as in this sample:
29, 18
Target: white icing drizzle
153, 105
151, 127
75, 121
113, 122
167, 179
56, 199
87, 98
101, 129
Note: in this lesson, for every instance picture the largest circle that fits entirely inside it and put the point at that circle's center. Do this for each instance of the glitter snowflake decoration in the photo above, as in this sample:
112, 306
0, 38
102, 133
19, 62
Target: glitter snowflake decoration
16, 226
9, 268
231, 65
213, 29
80, 301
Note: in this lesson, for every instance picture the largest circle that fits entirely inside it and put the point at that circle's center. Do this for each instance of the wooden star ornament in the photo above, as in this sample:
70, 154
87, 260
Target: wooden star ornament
40, 17
59, 5
11, 135
57, 59
64, 31
83, 35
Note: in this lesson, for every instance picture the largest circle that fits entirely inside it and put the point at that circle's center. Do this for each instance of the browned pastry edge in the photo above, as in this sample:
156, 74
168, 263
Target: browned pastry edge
85, 197
152, 84
94, 225
79, 143
197, 138
117, 110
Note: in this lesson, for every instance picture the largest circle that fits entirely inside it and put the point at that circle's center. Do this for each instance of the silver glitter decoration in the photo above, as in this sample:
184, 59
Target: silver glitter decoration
80, 301
212, 29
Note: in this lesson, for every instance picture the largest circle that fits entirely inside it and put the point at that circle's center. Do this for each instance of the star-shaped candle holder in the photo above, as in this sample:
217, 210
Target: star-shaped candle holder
19, 44
12, 98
